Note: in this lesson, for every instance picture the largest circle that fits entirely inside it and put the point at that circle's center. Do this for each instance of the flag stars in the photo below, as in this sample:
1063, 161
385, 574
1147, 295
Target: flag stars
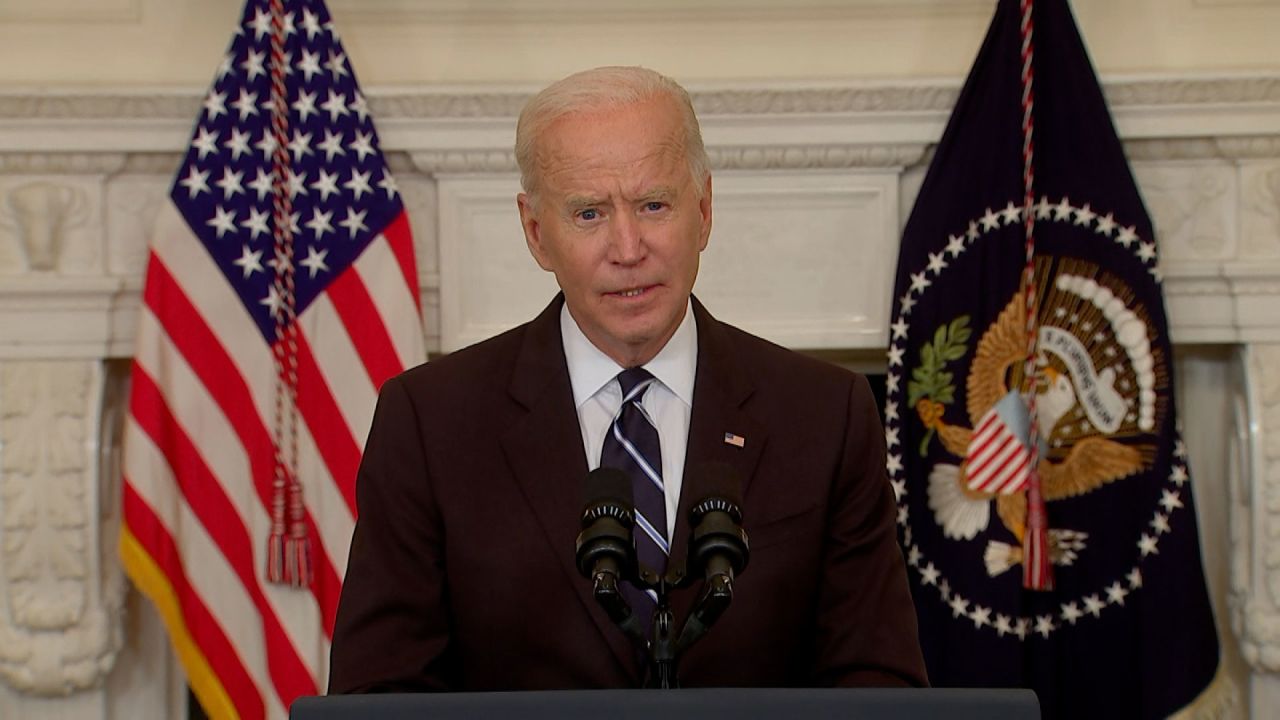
895, 355
905, 303
1062, 210
971, 234
256, 223
1071, 612
1043, 208
1106, 225
1134, 577
361, 145
309, 65
297, 184
359, 106
914, 556
1003, 625
332, 145
990, 221
274, 301
903, 515
891, 440
261, 24
981, 616
1116, 594
1085, 216
253, 64
891, 410
314, 261
1147, 251
281, 263
959, 606
919, 282
230, 183
262, 184
1170, 500
936, 263
891, 382
1147, 544
215, 104
899, 329
267, 145
899, 488
1179, 449
1127, 236
223, 221
1044, 625
1178, 475
358, 184
1021, 628
300, 146
955, 245
337, 64
305, 105
250, 261
1011, 213
388, 183
205, 142
326, 185
929, 574
310, 24
237, 144
1093, 605
196, 182
319, 224
335, 105
894, 464
354, 222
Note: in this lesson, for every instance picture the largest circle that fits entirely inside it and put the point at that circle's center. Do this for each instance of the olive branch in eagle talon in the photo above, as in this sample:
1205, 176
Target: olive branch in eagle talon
931, 387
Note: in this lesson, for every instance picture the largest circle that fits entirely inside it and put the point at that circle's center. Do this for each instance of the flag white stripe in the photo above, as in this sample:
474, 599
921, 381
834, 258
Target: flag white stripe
380, 271
207, 570
200, 417
340, 366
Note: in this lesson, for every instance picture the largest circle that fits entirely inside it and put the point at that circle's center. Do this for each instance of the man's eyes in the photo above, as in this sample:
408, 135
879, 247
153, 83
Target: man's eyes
589, 214
654, 205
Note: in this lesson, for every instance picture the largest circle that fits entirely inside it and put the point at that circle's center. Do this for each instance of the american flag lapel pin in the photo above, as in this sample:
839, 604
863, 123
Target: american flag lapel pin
734, 440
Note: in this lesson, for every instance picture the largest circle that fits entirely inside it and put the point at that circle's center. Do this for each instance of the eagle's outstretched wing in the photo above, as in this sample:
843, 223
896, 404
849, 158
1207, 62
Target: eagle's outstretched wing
1092, 463
1003, 344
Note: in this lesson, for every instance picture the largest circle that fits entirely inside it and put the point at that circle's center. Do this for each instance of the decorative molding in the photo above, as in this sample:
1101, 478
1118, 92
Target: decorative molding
829, 99
64, 163
62, 630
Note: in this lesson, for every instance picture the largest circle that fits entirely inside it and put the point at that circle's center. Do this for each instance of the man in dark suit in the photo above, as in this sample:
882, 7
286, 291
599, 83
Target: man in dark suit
462, 572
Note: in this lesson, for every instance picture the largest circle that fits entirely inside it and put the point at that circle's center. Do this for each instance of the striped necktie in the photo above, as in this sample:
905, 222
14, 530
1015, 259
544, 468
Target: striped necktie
631, 444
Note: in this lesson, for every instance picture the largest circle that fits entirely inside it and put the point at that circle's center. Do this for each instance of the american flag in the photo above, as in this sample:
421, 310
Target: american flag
220, 371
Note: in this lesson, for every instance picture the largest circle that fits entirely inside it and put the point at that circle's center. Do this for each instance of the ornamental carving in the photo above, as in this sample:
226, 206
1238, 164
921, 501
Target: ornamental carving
1260, 201
1191, 208
59, 621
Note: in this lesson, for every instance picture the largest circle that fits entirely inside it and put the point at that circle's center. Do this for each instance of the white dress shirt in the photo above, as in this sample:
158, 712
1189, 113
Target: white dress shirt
668, 401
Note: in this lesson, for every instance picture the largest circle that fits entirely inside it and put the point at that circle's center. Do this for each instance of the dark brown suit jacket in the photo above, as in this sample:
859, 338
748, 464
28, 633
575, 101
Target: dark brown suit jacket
462, 576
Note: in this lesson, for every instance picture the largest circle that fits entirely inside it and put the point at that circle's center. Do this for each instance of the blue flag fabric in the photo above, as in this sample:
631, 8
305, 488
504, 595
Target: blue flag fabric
1127, 630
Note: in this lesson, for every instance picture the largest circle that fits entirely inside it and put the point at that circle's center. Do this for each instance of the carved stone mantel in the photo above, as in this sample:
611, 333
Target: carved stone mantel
82, 176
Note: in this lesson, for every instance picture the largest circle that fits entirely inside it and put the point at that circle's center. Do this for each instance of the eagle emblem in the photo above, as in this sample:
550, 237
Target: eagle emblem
1096, 403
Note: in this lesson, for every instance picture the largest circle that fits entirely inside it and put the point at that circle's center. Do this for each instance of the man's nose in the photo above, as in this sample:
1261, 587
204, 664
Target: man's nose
626, 240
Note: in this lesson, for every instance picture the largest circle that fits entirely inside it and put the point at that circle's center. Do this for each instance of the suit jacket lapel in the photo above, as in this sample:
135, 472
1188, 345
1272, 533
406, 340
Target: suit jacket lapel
720, 391
544, 451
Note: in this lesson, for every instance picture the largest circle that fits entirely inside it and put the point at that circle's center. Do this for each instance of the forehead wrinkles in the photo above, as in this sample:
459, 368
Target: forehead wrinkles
562, 161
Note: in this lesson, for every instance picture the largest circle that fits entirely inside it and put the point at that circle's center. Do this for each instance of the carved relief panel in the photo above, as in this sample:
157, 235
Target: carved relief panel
59, 601
50, 224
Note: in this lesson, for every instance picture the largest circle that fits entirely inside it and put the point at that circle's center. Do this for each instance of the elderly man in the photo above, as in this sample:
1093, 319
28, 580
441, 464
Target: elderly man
462, 572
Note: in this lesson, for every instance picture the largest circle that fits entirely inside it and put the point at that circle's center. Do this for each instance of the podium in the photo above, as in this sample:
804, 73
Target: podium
703, 704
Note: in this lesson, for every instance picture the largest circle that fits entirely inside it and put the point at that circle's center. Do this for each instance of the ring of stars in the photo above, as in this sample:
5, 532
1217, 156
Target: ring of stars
1087, 606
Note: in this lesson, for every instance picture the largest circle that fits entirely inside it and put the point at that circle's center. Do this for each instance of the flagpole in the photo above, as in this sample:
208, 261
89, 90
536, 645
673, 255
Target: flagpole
1037, 568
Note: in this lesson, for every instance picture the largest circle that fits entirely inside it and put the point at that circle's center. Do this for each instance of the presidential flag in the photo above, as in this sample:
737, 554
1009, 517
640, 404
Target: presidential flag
280, 293
1044, 502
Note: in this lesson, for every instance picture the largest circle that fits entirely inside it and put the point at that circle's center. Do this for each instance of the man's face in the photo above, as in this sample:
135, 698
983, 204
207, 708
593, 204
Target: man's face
618, 220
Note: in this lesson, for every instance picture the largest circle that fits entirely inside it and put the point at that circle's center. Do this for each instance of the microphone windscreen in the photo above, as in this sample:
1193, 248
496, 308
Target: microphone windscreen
608, 485
714, 480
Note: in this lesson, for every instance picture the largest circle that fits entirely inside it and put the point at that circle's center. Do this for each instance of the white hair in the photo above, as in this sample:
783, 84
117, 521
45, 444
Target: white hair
601, 89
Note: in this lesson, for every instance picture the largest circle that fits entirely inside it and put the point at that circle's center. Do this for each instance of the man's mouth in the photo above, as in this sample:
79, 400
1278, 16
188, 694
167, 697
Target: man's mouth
632, 292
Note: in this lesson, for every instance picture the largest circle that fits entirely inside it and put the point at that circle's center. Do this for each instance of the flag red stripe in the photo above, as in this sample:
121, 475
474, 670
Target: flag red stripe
217, 514
354, 306
201, 624
333, 438
1013, 455
400, 238
210, 362
990, 453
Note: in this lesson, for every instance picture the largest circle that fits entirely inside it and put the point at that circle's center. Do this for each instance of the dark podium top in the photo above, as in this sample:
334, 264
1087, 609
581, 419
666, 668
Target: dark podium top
704, 704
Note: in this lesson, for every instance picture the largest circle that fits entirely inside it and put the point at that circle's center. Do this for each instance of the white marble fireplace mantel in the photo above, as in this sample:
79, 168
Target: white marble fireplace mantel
812, 185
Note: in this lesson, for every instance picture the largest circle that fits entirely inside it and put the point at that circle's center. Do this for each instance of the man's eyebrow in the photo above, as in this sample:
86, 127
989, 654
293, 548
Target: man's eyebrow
664, 192
576, 202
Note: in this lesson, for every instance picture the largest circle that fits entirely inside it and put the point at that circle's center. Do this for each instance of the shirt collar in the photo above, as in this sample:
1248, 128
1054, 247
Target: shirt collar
590, 369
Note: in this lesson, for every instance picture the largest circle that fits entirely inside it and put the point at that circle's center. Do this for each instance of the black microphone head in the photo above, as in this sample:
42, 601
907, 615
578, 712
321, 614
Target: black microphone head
608, 493
714, 486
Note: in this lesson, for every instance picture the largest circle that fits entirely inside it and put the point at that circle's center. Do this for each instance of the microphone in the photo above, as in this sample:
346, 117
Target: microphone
605, 550
718, 544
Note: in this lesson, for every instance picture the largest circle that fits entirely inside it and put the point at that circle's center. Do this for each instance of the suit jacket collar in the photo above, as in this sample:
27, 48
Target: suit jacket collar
544, 448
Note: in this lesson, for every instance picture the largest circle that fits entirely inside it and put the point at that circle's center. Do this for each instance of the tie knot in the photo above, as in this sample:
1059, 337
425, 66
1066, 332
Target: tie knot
631, 377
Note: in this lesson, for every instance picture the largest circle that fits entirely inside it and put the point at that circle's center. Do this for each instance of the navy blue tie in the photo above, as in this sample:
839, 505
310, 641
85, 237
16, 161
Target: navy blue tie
631, 444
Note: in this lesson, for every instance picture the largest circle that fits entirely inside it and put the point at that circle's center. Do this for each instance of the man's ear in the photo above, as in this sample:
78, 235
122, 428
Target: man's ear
532, 226
704, 209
